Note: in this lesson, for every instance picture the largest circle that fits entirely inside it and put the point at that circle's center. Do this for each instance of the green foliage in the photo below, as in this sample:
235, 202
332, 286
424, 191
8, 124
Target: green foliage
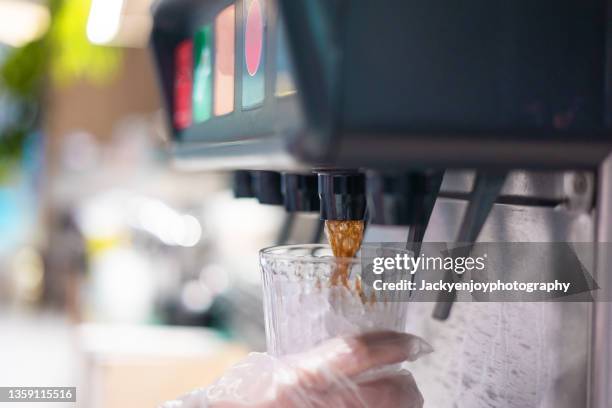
23, 71
72, 55
11, 147
64, 52
63, 55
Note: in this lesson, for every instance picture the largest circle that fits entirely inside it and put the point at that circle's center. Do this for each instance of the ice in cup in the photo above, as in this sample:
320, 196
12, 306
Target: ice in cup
304, 305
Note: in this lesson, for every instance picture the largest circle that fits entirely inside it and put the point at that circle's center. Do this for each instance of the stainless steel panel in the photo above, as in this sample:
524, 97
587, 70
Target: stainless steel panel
554, 186
600, 390
505, 354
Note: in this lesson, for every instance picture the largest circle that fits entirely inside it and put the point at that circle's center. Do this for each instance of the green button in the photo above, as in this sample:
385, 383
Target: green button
202, 75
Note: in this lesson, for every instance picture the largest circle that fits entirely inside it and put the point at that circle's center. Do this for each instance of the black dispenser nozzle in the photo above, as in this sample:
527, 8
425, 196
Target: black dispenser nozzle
300, 192
243, 184
267, 187
396, 199
342, 194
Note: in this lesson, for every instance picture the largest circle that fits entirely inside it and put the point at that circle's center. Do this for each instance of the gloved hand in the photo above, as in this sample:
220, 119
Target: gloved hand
355, 371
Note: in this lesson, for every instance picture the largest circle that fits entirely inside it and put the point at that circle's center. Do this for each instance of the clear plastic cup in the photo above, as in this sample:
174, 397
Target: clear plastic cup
302, 306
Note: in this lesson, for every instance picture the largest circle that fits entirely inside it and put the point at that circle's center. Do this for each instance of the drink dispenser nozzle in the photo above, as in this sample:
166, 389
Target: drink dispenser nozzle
300, 192
242, 184
342, 194
403, 198
267, 187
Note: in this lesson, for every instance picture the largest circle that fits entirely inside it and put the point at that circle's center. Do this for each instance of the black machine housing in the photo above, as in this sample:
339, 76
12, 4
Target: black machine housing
409, 84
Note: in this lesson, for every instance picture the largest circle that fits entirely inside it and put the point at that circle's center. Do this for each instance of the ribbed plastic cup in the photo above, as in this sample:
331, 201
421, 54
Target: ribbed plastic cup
303, 308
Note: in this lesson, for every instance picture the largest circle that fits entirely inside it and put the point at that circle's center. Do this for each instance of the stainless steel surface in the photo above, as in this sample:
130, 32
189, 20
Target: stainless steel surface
555, 186
600, 385
504, 354
487, 187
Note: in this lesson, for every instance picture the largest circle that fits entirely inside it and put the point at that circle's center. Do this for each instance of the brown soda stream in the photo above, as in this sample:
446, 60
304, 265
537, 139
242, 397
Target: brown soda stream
345, 240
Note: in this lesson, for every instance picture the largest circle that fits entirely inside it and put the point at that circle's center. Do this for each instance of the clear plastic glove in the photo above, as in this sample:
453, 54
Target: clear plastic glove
359, 371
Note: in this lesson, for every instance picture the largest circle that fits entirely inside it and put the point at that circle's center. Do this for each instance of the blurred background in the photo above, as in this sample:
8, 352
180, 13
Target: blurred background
118, 275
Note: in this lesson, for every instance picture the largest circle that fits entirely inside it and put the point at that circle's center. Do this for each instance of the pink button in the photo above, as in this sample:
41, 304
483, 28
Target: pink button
253, 37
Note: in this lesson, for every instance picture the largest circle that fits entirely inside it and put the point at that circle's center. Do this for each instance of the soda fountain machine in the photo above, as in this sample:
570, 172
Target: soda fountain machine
481, 120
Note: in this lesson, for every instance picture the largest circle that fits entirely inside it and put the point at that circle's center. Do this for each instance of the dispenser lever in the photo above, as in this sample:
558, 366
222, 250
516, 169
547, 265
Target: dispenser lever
423, 208
487, 188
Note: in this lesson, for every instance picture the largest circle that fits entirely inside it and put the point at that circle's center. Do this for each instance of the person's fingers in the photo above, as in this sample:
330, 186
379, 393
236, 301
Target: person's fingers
331, 372
399, 390
376, 349
347, 357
